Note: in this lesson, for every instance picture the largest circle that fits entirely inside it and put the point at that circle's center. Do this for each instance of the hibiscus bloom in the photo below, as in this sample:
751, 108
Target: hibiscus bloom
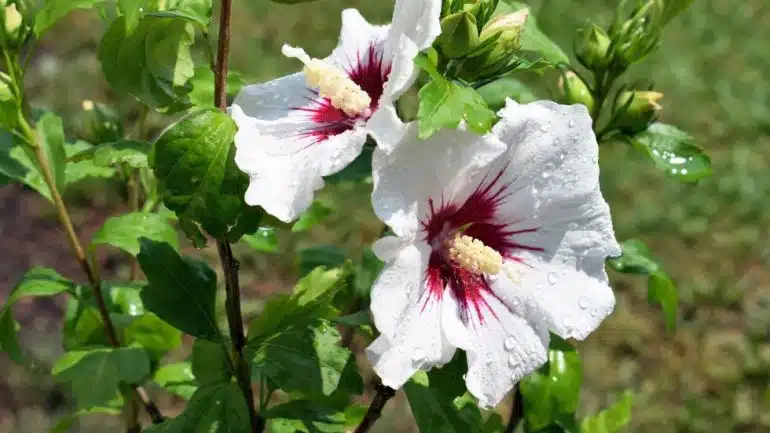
294, 130
500, 239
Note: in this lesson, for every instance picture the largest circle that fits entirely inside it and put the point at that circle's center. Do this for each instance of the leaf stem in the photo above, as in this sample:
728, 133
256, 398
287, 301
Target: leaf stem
230, 265
517, 410
384, 393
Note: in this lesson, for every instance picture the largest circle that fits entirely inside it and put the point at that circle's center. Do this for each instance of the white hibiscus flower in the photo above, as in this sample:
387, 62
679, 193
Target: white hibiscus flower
498, 242
294, 130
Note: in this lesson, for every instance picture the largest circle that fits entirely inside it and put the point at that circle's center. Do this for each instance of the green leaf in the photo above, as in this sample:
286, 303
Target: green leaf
124, 231
37, 282
264, 240
308, 359
8, 105
293, 344
64, 424
310, 416
551, 395
50, 137
436, 411
496, 92
80, 170
177, 379
610, 420
202, 94
366, 273
673, 151
443, 104
210, 362
130, 152
672, 8
215, 408
54, 10
197, 176
638, 259
151, 62
181, 291
152, 333
532, 38
10, 167
95, 374
323, 255
317, 213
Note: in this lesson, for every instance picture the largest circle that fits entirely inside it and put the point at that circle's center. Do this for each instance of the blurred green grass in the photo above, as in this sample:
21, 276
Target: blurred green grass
712, 374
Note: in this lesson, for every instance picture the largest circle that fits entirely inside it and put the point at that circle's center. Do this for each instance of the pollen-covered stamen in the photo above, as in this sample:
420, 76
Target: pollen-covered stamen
471, 254
333, 83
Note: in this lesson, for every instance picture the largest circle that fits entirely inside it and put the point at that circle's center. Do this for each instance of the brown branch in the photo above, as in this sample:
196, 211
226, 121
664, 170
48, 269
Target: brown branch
230, 265
384, 393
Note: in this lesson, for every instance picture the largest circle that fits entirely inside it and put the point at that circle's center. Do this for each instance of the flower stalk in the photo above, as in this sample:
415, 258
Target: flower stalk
384, 393
230, 265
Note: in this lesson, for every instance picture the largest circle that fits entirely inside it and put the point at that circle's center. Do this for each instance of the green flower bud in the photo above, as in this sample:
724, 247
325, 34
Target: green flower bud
575, 91
459, 35
12, 21
592, 46
502, 35
636, 110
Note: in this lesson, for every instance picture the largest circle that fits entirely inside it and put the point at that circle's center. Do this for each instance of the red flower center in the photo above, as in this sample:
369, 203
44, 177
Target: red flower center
479, 218
370, 73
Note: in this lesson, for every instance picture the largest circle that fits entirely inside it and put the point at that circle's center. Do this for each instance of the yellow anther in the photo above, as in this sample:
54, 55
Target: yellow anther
333, 83
473, 255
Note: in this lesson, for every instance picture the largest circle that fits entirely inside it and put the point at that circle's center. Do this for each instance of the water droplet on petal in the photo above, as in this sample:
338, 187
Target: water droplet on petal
551, 278
509, 343
567, 323
583, 303
545, 127
465, 376
571, 123
489, 359
572, 226
418, 355
513, 362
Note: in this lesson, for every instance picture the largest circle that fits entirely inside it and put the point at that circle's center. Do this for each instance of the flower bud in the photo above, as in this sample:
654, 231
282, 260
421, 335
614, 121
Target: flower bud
508, 26
592, 46
575, 91
459, 34
99, 123
500, 41
12, 21
635, 110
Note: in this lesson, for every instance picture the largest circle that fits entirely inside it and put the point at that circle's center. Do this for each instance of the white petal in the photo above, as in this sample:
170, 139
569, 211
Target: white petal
285, 171
501, 350
398, 287
388, 248
357, 38
386, 127
417, 344
569, 302
403, 72
418, 20
553, 177
272, 101
416, 170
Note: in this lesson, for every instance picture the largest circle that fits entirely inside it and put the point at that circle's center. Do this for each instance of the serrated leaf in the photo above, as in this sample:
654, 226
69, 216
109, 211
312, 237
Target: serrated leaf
638, 259
36, 282
197, 177
210, 362
673, 151
54, 10
181, 291
177, 379
444, 104
151, 61
215, 408
130, 152
95, 374
435, 411
124, 231
551, 394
